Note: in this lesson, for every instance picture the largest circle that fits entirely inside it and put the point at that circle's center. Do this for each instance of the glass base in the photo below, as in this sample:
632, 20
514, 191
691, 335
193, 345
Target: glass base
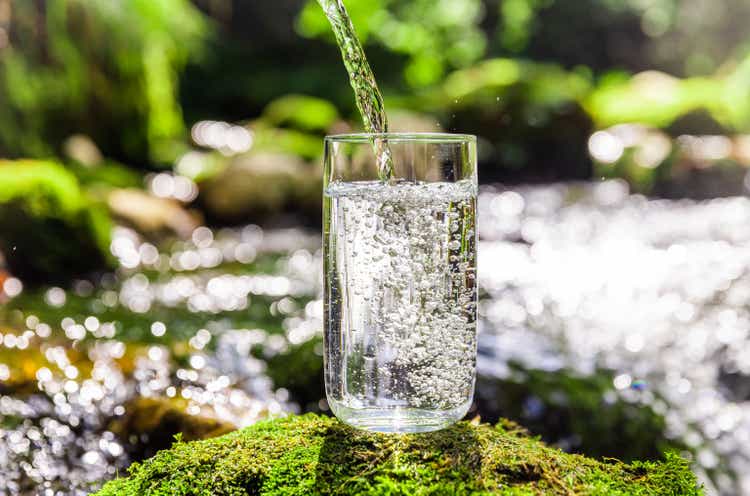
398, 420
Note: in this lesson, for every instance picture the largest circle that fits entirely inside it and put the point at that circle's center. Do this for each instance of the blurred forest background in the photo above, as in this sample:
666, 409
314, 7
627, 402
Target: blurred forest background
533, 78
160, 195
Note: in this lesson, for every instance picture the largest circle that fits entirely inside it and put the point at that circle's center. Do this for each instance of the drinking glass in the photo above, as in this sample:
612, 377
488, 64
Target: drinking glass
400, 280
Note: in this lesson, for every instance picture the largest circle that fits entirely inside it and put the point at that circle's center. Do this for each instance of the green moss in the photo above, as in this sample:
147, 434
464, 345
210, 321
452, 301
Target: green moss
50, 231
581, 413
108, 174
308, 455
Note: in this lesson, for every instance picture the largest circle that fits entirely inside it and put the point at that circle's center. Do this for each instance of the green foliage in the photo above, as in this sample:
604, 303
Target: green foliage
681, 37
300, 111
49, 230
543, 84
732, 106
528, 114
518, 22
657, 99
313, 23
102, 68
435, 36
43, 187
651, 98
299, 143
311, 455
109, 174
112, 69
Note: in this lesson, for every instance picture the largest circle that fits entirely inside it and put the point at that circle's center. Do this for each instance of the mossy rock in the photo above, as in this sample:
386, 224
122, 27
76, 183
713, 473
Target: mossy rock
580, 413
313, 455
50, 231
150, 424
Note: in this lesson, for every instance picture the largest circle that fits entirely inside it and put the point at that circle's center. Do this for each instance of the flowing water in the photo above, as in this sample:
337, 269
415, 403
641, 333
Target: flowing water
575, 278
366, 92
400, 271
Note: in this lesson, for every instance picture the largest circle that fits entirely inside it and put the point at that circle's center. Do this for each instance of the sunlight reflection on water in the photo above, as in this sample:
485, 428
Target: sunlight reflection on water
587, 276
576, 277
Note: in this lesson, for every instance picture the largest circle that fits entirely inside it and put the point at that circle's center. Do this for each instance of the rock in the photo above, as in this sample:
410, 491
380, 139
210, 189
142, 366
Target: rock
404, 121
157, 420
83, 150
312, 455
260, 185
156, 415
576, 413
151, 215
50, 230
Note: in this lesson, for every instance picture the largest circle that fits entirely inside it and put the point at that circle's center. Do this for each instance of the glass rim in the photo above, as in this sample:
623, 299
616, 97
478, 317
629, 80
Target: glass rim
436, 138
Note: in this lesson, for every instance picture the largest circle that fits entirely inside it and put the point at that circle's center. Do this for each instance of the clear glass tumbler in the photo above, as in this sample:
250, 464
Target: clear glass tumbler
400, 280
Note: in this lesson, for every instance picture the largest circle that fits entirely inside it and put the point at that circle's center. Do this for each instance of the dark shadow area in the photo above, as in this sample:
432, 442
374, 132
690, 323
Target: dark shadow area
351, 460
